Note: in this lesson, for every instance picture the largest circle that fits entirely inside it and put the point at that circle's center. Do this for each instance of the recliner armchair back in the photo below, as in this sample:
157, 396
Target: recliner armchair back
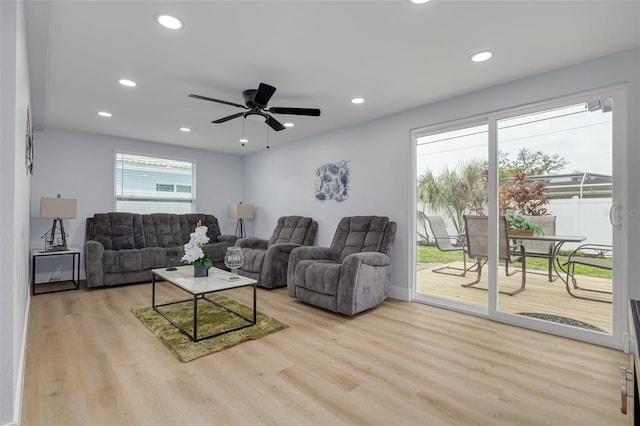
267, 260
361, 233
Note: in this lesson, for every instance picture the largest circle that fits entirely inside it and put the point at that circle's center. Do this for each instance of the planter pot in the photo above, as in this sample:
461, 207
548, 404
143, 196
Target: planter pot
200, 271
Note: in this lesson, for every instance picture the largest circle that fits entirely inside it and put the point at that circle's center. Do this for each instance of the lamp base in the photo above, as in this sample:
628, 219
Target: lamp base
240, 229
56, 244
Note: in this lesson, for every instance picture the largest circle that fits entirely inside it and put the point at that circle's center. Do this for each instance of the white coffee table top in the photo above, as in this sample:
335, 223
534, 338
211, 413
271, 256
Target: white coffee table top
216, 281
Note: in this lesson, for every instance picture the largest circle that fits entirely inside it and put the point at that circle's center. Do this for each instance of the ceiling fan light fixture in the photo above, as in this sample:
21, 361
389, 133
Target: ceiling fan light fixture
169, 22
255, 117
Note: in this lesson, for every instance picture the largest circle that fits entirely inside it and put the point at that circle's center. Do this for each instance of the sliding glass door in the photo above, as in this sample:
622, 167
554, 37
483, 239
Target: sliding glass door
517, 216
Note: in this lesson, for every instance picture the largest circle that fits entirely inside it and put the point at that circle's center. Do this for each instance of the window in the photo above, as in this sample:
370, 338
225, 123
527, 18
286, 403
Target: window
154, 185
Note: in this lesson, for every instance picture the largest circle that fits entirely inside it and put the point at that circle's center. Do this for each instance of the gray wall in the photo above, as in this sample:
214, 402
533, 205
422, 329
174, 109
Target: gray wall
15, 186
88, 175
280, 181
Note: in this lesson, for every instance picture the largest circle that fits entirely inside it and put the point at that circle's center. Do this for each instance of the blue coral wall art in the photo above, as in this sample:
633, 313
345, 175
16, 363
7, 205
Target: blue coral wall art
332, 181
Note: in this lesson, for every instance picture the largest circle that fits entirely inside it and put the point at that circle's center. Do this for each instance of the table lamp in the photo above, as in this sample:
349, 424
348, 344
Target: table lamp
240, 211
57, 209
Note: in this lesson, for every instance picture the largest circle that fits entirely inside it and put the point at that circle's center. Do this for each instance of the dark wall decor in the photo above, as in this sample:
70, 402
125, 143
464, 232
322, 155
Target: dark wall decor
332, 181
29, 145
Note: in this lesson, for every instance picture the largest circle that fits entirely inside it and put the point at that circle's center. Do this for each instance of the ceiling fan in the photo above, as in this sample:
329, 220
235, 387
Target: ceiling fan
256, 103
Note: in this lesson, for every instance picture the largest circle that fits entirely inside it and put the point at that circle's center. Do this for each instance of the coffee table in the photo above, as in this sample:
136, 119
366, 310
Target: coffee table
198, 288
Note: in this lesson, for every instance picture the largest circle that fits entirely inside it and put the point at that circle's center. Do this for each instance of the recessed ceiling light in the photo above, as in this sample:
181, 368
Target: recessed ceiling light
289, 124
169, 22
481, 56
104, 114
357, 100
185, 129
418, 1
128, 83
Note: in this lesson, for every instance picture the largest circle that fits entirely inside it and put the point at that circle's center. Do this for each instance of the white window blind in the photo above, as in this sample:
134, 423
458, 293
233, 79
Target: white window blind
154, 185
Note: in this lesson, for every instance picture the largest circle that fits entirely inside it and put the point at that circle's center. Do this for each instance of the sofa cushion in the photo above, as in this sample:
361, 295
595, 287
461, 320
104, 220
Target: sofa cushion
188, 223
119, 231
154, 257
162, 229
253, 260
320, 276
122, 260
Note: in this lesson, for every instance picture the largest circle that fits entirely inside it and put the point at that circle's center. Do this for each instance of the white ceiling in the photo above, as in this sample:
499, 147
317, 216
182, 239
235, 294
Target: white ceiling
318, 54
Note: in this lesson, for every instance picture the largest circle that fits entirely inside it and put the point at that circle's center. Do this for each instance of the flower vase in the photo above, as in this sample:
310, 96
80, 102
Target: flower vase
200, 271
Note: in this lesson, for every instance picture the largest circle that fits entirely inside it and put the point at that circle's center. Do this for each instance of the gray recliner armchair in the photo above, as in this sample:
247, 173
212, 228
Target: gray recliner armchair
352, 275
266, 260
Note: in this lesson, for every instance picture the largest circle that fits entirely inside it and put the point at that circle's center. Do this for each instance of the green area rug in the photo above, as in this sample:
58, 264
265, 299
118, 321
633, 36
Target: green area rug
211, 319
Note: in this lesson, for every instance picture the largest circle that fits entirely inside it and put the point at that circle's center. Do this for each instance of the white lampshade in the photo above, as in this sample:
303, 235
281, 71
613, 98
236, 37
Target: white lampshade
58, 208
240, 211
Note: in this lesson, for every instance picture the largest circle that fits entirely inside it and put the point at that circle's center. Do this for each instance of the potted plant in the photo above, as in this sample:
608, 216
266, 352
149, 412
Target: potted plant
519, 225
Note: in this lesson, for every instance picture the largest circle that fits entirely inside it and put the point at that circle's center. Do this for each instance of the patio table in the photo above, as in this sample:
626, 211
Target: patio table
558, 241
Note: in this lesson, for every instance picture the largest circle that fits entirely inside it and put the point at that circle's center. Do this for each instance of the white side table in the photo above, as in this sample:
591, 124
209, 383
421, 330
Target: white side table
75, 269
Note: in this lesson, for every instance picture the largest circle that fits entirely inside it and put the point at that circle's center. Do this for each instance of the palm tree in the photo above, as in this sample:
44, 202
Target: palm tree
455, 191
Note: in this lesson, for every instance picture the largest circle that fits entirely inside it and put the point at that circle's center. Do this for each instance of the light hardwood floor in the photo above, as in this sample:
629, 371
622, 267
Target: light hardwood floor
91, 362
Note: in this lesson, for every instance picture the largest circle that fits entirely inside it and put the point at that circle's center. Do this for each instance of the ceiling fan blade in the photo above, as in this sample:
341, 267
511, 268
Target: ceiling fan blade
230, 117
274, 124
263, 95
204, 98
295, 111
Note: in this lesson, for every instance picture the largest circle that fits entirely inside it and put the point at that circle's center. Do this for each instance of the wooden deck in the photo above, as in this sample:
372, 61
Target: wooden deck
539, 296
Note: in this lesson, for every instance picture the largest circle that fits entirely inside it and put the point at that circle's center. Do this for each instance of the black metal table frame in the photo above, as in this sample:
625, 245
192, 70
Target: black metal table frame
203, 296
75, 271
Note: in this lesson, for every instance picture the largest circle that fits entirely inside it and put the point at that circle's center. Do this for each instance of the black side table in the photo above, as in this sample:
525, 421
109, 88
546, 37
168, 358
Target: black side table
75, 270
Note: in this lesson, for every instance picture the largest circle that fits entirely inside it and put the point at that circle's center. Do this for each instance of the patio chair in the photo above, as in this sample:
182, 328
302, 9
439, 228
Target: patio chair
477, 232
447, 243
593, 255
543, 249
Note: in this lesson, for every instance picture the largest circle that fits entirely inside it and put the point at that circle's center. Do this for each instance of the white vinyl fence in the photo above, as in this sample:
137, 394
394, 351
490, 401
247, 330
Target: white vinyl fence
587, 217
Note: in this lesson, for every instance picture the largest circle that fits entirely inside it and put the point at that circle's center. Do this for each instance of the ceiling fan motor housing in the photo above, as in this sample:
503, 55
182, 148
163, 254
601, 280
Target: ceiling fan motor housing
249, 96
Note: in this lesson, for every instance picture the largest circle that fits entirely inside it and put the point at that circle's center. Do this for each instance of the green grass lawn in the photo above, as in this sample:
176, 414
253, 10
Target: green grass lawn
430, 254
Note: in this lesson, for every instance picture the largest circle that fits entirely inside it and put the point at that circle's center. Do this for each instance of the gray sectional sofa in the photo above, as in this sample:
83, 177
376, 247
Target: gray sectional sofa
122, 248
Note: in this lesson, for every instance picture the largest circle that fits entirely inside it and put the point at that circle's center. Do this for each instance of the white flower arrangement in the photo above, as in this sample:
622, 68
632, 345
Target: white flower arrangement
193, 252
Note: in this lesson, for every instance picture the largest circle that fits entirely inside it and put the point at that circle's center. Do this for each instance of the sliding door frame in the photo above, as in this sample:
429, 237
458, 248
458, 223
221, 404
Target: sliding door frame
619, 233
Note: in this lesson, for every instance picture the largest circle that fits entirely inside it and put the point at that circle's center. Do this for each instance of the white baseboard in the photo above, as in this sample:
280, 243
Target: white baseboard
17, 405
400, 293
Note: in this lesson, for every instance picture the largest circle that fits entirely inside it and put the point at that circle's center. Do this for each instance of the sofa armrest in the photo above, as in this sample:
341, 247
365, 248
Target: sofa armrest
364, 282
226, 238
304, 253
276, 264
94, 271
252, 243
